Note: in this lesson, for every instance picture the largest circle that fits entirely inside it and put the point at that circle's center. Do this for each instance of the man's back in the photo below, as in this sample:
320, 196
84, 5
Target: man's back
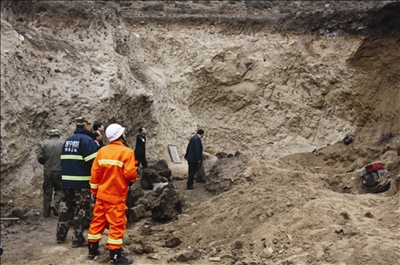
113, 168
194, 150
50, 154
78, 153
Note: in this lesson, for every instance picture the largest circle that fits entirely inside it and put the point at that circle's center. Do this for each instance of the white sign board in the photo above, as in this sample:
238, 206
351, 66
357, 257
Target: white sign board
174, 154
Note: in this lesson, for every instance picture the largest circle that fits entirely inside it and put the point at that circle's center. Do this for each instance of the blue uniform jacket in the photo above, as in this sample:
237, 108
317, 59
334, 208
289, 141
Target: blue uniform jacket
78, 153
194, 150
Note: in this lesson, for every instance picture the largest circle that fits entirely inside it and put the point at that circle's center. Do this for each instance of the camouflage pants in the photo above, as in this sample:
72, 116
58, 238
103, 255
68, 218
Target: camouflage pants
51, 181
74, 211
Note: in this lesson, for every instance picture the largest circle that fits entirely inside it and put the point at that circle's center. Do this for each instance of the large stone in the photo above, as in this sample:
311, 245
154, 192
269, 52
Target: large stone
150, 177
162, 168
134, 195
226, 172
168, 204
136, 213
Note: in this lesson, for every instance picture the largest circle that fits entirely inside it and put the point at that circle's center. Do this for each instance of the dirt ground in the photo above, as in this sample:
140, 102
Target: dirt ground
35, 235
300, 209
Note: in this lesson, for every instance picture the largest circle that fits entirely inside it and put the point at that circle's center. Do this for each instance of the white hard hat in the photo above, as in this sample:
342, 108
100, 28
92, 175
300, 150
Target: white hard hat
114, 131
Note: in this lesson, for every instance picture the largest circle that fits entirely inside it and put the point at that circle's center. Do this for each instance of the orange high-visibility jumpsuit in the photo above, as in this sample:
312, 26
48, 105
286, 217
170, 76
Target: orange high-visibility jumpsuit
113, 168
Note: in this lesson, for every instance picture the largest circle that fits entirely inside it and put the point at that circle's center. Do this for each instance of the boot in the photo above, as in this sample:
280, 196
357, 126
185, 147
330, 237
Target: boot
54, 210
46, 212
93, 250
116, 258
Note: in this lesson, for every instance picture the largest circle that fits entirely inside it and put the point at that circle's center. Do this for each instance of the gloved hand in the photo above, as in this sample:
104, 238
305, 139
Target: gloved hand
93, 197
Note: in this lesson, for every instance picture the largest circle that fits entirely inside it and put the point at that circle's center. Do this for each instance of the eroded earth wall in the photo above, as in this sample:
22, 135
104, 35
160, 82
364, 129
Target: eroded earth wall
262, 80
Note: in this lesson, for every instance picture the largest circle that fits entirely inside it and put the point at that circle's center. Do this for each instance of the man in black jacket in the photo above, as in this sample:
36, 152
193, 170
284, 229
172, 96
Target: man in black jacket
194, 156
99, 127
140, 148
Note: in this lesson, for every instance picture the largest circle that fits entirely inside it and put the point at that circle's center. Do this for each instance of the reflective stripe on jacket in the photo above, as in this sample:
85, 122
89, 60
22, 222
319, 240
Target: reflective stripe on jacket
113, 168
77, 155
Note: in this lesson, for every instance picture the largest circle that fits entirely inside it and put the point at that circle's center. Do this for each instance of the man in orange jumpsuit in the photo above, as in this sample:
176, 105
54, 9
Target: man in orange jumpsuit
112, 171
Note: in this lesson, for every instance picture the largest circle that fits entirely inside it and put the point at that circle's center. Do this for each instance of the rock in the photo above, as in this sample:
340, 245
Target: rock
184, 257
168, 204
347, 140
136, 213
214, 259
138, 249
154, 257
188, 255
135, 195
148, 248
345, 215
196, 253
160, 186
146, 230
150, 177
238, 244
173, 242
266, 253
226, 172
222, 155
162, 168
369, 215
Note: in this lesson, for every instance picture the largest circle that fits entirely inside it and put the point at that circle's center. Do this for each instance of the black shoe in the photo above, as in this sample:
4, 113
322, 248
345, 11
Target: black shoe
83, 244
93, 250
117, 258
93, 256
121, 260
190, 188
60, 241
54, 210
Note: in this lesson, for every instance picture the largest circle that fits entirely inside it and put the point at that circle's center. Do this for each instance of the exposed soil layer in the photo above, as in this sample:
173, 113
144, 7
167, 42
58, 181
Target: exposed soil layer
307, 91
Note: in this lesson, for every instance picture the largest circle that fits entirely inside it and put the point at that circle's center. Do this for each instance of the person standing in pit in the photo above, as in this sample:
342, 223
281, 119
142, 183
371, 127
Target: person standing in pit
98, 126
194, 156
140, 148
49, 156
78, 153
114, 169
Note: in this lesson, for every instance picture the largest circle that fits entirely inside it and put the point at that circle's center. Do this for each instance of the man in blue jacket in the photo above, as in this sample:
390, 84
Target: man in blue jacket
194, 156
77, 155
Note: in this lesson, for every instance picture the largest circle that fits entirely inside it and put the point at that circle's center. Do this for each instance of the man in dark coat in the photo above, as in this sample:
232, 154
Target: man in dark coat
140, 148
77, 155
49, 156
99, 127
194, 156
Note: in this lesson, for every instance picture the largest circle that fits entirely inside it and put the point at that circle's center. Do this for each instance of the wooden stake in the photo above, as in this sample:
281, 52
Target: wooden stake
9, 219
